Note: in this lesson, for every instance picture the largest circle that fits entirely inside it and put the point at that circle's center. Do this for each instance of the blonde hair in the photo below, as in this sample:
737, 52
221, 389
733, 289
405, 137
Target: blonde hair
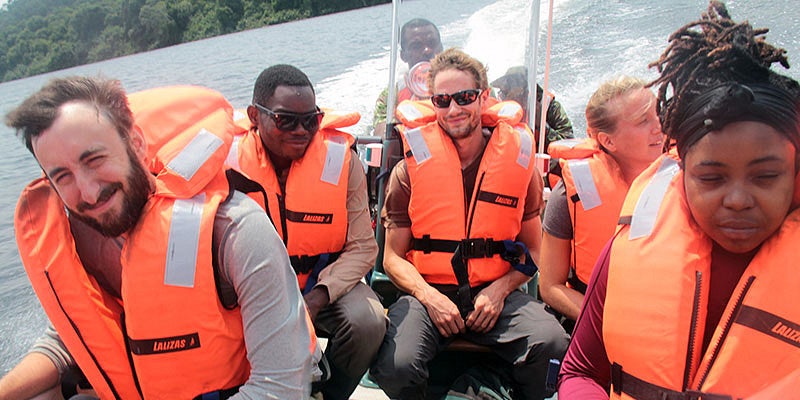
601, 115
454, 58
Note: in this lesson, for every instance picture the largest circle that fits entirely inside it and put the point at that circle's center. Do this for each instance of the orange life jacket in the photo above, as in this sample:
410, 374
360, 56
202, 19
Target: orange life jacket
595, 192
311, 216
572, 148
164, 292
655, 307
437, 208
405, 94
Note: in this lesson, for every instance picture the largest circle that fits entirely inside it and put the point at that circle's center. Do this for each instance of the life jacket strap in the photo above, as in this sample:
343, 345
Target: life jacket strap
464, 294
312, 265
639, 389
239, 182
470, 248
465, 249
513, 254
305, 264
575, 282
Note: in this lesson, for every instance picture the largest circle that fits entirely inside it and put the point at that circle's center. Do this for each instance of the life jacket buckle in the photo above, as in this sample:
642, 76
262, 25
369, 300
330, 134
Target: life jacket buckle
476, 248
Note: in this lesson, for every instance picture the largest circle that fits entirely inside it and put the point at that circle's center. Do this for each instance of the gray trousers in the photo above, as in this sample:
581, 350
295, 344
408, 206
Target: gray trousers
525, 336
354, 325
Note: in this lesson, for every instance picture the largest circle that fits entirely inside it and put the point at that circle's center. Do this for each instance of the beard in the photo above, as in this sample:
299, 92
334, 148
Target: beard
135, 191
463, 131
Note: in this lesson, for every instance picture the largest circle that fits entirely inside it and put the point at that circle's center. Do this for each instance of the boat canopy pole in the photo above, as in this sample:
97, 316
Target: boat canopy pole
391, 143
546, 86
533, 37
391, 99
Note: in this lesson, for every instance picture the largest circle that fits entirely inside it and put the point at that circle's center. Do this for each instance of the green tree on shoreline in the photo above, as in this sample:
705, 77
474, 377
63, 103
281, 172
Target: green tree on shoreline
38, 36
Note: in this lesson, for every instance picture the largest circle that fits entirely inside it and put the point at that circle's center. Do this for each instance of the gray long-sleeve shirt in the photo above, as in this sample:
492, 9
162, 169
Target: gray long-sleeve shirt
254, 263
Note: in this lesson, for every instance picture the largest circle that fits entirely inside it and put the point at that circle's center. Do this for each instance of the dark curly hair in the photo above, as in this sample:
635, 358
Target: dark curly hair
711, 51
280, 74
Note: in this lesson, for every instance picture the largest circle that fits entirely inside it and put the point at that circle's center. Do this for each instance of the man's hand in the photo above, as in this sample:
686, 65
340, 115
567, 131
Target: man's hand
316, 299
488, 304
443, 312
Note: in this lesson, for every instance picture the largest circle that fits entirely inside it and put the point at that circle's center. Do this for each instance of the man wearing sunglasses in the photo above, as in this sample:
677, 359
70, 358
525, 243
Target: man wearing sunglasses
458, 207
312, 185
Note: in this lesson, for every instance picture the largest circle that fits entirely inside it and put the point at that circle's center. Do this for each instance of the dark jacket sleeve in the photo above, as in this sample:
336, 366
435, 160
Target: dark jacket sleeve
558, 123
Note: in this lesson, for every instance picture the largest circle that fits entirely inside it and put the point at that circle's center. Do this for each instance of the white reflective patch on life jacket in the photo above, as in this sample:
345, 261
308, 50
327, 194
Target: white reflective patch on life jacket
525, 148
644, 214
408, 111
195, 154
238, 115
509, 109
584, 184
417, 144
233, 154
183, 241
334, 159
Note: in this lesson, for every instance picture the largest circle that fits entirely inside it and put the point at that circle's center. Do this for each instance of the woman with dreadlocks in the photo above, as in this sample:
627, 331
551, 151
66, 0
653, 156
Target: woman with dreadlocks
695, 297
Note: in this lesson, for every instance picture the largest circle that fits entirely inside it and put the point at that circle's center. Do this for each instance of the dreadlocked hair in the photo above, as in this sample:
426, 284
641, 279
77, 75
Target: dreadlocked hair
710, 51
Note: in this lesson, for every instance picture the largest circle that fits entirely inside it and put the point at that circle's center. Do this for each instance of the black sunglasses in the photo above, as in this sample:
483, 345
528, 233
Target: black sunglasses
461, 98
289, 121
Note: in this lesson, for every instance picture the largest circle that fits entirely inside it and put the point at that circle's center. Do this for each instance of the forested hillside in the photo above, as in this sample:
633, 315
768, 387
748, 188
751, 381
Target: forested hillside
38, 36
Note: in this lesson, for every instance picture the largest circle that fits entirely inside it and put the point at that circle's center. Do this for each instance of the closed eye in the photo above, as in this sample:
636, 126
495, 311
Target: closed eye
767, 178
95, 161
61, 178
710, 179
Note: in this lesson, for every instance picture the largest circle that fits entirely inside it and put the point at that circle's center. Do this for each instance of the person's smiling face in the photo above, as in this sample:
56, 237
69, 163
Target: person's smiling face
458, 121
285, 146
99, 176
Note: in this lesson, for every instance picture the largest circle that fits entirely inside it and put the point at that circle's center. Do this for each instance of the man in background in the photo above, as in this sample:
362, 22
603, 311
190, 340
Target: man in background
514, 86
419, 43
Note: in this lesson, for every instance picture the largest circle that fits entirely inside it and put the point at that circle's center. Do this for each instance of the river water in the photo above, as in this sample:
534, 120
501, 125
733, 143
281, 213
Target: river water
346, 56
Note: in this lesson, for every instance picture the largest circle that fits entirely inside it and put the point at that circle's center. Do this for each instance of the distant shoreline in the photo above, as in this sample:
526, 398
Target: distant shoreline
40, 36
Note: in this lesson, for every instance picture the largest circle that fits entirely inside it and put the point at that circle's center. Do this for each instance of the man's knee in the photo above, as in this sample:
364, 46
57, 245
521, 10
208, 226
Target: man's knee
551, 342
399, 373
356, 326
369, 319
401, 367
546, 338
363, 319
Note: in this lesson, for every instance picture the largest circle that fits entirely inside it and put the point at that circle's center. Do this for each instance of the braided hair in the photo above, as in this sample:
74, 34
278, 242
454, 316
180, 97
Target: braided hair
711, 51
